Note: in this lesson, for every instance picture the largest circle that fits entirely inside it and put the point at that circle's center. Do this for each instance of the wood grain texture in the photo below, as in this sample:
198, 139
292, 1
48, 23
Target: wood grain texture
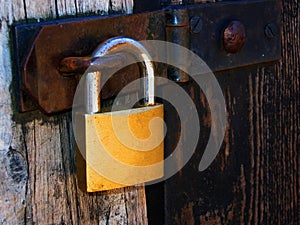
102, 6
255, 177
12, 186
38, 183
12, 10
40, 9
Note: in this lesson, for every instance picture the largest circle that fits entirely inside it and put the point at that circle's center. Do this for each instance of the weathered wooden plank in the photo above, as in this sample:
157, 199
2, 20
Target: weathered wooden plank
121, 5
255, 177
46, 171
66, 7
104, 6
53, 9
13, 176
133, 201
12, 10
12, 194
40, 9
127, 6
37, 153
99, 7
287, 91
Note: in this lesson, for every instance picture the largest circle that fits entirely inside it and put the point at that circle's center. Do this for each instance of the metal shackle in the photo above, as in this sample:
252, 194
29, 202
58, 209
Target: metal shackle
118, 45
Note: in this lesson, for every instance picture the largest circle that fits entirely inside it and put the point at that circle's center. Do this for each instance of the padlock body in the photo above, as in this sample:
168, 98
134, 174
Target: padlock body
120, 148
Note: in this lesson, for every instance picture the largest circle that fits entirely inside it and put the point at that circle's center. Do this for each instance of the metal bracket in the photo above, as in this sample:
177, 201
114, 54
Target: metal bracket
225, 35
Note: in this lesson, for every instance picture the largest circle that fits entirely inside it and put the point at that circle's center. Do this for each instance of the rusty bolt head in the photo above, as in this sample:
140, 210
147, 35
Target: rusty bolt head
234, 37
196, 24
271, 30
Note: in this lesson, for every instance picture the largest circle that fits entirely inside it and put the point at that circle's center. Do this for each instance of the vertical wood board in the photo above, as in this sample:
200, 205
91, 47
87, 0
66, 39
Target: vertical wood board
38, 182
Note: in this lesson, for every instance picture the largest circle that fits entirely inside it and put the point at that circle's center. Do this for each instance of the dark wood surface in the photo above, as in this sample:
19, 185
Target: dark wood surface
255, 177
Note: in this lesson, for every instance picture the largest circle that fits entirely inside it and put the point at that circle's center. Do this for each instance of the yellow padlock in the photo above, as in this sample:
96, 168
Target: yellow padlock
121, 148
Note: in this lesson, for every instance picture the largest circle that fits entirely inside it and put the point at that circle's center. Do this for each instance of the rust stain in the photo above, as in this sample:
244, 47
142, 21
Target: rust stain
187, 216
211, 218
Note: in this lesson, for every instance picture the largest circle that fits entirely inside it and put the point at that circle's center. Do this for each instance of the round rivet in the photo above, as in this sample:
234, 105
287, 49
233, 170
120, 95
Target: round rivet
234, 36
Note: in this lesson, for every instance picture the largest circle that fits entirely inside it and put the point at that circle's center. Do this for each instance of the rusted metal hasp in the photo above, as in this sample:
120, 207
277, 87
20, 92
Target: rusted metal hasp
41, 47
51, 56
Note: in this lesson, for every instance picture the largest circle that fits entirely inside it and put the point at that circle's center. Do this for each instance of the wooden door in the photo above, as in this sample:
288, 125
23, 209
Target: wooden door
255, 177
37, 156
